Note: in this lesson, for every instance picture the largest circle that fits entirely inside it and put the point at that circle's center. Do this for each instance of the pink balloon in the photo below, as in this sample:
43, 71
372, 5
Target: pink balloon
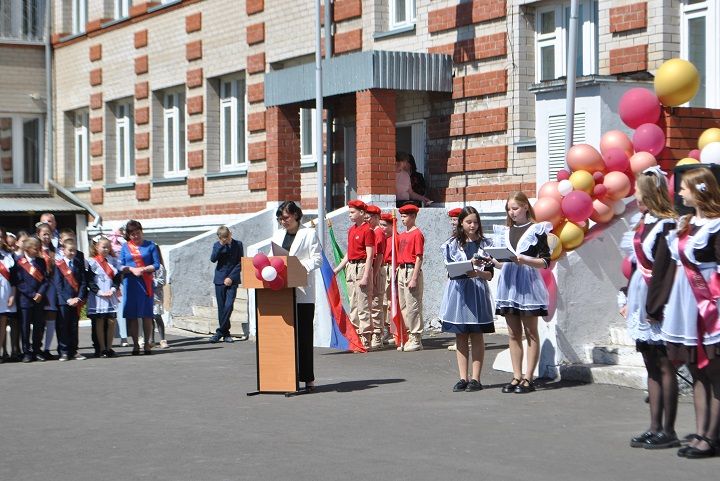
548, 209
649, 138
616, 139
563, 175
577, 206
260, 261
631, 178
627, 267
602, 212
550, 189
641, 161
694, 154
616, 159
671, 187
585, 157
617, 184
598, 177
639, 106
278, 264
277, 284
599, 191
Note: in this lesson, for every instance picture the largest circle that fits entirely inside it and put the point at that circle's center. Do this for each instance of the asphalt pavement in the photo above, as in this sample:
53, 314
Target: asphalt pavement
183, 414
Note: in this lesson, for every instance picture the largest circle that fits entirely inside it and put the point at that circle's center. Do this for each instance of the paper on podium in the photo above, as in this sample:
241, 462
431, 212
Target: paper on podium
276, 250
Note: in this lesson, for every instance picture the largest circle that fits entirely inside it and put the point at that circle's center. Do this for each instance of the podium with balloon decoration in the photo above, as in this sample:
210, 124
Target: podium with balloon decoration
274, 280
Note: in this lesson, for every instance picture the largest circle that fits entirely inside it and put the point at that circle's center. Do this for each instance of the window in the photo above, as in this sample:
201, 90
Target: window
124, 142
307, 136
552, 29
122, 8
21, 150
232, 124
79, 16
22, 20
81, 150
698, 18
174, 134
402, 13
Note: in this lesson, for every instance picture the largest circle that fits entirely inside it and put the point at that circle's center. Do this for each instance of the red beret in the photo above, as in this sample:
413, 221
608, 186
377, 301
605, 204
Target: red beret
454, 212
386, 217
409, 209
372, 209
357, 204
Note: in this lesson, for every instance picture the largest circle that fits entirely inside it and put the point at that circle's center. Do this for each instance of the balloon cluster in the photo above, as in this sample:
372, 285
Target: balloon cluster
271, 270
598, 181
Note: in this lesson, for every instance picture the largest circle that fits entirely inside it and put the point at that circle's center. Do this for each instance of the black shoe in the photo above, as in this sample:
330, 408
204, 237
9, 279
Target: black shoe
104, 355
48, 356
460, 386
525, 387
510, 387
27, 358
39, 357
682, 452
695, 453
639, 440
136, 352
64, 357
111, 353
229, 339
662, 440
473, 385
215, 339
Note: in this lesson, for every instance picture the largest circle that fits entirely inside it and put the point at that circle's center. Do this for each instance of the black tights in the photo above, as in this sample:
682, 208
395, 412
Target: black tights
662, 391
706, 397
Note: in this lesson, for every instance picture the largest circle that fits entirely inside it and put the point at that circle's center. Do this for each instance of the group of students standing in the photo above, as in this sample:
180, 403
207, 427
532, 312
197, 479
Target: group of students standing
671, 306
45, 282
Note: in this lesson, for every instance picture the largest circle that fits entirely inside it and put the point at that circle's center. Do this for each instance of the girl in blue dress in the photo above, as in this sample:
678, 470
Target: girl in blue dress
466, 308
138, 260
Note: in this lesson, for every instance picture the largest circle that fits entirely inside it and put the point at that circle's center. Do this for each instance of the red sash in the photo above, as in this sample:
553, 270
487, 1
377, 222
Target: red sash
68, 275
139, 262
31, 269
643, 265
4, 271
103, 263
706, 297
48, 260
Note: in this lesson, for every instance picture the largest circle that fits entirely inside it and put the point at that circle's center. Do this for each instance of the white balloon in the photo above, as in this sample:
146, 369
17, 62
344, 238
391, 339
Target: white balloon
269, 273
618, 207
564, 187
711, 153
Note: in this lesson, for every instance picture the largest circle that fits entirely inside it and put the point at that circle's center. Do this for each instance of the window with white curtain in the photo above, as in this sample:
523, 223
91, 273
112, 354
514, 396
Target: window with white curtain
124, 142
232, 124
81, 149
174, 134
307, 135
402, 13
552, 28
79, 16
698, 45
122, 8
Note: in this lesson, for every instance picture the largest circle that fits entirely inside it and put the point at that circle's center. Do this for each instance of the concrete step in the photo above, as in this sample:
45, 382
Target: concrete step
616, 355
205, 325
619, 336
240, 300
239, 314
626, 376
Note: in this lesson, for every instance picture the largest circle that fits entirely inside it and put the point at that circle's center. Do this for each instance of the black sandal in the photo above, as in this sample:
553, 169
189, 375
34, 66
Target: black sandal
695, 453
510, 387
682, 452
525, 386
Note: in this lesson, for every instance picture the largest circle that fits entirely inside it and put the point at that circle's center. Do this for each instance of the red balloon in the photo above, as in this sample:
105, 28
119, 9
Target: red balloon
598, 177
550, 189
649, 138
639, 106
577, 206
627, 267
616, 160
278, 264
277, 284
585, 157
258, 274
599, 191
548, 209
671, 187
694, 154
260, 261
564, 175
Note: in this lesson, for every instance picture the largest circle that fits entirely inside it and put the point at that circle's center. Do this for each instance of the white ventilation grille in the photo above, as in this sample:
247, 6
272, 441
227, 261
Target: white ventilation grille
556, 140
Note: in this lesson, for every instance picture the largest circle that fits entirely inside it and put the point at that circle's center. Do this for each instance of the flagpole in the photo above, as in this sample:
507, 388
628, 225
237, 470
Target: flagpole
318, 120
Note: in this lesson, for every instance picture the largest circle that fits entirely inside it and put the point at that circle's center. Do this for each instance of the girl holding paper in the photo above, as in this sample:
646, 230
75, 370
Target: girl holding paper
466, 308
521, 292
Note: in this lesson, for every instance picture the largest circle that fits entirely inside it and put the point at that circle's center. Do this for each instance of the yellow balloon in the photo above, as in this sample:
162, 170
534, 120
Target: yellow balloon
582, 180
571, 236
555, 246
687, 161
709, 136
676, 82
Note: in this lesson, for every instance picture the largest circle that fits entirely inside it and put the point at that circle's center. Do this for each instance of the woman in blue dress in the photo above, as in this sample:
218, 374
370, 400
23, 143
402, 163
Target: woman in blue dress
139, 258
466, 308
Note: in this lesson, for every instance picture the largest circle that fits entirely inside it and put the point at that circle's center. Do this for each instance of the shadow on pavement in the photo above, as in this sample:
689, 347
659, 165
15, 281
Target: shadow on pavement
359, 385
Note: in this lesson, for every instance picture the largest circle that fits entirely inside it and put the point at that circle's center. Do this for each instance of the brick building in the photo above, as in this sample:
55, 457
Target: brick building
177, 110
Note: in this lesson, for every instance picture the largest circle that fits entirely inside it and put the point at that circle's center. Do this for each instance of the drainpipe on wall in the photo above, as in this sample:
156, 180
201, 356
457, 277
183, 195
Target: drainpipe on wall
571, 74
318, 123
50, 123
329, 5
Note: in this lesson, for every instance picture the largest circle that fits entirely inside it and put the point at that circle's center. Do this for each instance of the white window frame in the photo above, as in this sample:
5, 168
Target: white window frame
81, 149
122, 8
305, 157
79, 16
710, 10
18, 151
409, 11
173, 109
125, 150
232, 100
558, 38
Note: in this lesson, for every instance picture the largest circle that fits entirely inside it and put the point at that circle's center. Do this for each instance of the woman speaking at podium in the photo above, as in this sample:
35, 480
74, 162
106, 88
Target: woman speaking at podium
302, 243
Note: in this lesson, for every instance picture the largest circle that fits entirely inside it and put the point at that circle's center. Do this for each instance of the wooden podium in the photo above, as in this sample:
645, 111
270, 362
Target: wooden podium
276, 336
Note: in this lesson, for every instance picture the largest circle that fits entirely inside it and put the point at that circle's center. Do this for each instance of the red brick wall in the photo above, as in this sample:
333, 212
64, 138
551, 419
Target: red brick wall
193, 22
629, 59
283, 153
254, 6
480, 84
255, 33
196, 159
628, 17
484, 47
95, 53
185, 211
194, 78
142, 90
468, 160
376, 117
195, 105
193, 50
141, 64
683, 127
256, 92
140, 39
348, 41
468, 13
256, 63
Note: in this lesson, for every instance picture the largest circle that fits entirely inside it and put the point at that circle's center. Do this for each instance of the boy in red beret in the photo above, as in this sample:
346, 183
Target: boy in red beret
410, 278
359, 262
377, 303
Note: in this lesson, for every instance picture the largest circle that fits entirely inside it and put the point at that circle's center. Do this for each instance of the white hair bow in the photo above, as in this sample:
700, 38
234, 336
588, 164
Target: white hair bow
701, 186
658, 173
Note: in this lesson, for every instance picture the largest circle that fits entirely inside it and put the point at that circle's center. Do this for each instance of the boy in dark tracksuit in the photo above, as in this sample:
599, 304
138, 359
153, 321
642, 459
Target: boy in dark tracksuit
70, 281
227, 252
31, 280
